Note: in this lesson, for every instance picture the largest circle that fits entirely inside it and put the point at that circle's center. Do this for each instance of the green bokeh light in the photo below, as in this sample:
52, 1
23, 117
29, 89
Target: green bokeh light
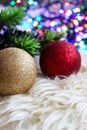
82, 7
39, 18
12, 3
40, 26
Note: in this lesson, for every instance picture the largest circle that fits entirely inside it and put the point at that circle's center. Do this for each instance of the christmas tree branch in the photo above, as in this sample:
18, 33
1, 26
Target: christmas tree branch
11, 17
50, 36
20, 39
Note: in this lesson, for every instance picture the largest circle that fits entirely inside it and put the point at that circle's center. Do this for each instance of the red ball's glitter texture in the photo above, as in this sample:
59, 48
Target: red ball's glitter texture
60, 58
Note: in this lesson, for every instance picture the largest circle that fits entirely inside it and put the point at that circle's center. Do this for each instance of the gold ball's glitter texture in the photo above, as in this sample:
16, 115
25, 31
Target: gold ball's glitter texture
17, 71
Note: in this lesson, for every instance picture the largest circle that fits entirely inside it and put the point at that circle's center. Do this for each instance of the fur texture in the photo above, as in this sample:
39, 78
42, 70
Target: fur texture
49, 105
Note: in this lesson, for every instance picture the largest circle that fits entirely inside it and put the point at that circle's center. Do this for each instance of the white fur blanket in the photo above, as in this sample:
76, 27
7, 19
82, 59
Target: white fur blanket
49, 105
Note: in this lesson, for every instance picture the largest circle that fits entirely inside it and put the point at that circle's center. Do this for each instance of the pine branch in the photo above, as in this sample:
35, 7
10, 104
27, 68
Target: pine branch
11, 17
23, 40
50, 36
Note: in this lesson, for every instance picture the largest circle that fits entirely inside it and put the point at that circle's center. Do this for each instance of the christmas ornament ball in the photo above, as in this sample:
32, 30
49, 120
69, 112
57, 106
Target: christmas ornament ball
60, 58
17, 71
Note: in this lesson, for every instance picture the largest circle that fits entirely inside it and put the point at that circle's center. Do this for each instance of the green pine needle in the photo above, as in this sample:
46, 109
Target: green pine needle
50, 36
11, 16
23, 40
26, 42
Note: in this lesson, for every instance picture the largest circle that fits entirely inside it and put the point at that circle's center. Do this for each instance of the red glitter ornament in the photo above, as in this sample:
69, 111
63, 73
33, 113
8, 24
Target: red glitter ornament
60, 58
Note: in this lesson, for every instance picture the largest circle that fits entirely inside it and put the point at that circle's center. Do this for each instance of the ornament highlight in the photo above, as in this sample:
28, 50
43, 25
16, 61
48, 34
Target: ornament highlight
17, 71
60, 58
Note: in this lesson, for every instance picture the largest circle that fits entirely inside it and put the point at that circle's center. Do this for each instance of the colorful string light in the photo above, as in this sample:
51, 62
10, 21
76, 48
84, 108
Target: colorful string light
15, 2
71, 18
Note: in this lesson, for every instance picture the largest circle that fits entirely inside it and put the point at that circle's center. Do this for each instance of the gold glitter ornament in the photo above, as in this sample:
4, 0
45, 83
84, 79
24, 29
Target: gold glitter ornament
17, 71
